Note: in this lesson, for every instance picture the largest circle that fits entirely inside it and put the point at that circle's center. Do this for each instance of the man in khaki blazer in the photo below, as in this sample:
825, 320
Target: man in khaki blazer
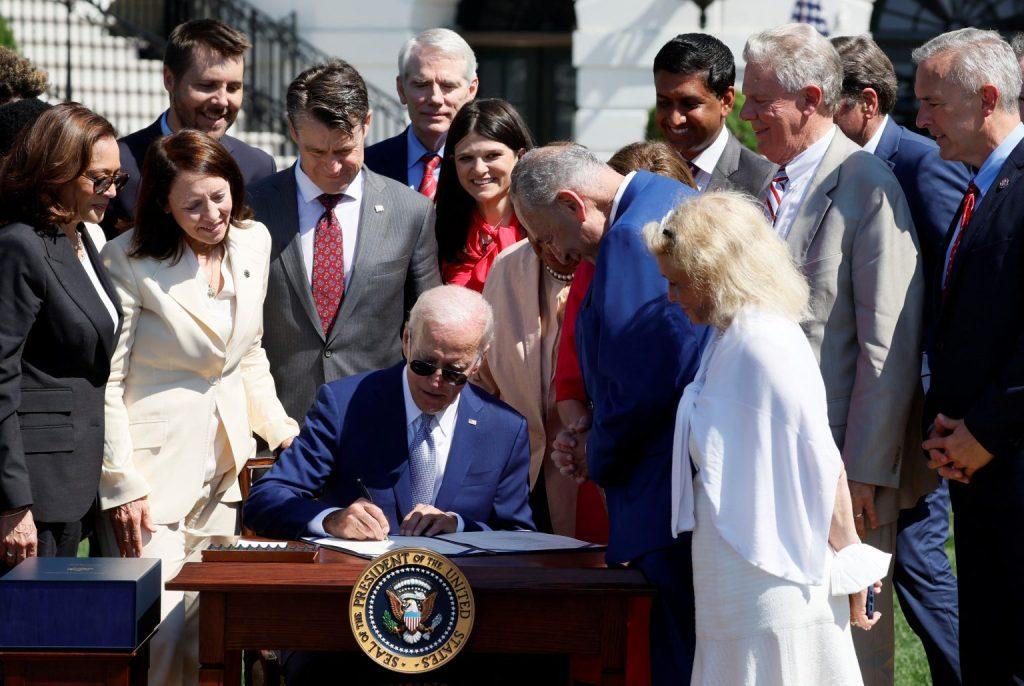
847, 223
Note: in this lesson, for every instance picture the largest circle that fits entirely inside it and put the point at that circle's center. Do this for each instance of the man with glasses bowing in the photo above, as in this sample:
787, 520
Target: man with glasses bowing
412, 449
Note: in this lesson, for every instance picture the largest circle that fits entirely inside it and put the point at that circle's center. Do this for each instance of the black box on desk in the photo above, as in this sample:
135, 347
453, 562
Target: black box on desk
67, 602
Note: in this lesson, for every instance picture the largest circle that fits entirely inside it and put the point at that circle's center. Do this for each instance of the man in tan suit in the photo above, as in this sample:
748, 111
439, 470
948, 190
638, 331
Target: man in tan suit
847, 223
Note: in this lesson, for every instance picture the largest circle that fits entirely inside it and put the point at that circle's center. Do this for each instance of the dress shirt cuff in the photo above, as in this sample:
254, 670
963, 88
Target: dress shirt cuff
460, 526
316, 525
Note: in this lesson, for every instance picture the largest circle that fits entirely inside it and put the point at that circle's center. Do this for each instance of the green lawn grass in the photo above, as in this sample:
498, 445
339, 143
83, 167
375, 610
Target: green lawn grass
911, 664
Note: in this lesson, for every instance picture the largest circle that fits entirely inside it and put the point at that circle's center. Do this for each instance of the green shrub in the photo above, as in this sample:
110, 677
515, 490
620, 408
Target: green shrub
7, 36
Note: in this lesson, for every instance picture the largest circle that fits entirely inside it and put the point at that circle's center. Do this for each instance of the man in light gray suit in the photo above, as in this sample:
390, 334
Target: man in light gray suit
846, 221
694, 77
352, 250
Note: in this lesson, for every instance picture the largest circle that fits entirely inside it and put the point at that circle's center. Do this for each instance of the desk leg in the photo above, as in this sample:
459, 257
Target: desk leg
625, 650
218, 666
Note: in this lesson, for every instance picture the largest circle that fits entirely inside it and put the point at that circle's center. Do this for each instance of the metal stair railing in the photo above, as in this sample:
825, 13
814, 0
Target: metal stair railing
277, 56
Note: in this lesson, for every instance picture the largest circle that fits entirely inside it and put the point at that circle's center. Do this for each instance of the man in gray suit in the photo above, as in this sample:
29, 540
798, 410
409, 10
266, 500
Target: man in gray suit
694, 77
352, 250
846, 221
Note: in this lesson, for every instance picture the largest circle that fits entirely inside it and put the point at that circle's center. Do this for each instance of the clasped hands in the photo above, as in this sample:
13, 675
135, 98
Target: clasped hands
569, 450
364, 521
953, 450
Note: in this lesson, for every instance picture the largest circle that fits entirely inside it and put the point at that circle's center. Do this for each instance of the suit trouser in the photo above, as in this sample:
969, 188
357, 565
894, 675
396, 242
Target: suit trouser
876, 649
925, 584
673, 631
58, 539
174, 650
990, 580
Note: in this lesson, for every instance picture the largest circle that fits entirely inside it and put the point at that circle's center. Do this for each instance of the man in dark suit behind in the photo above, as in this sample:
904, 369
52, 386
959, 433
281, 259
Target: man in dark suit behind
204, 65
352, 250
436, 77
922, 576
694, 76
637, 353
968, 82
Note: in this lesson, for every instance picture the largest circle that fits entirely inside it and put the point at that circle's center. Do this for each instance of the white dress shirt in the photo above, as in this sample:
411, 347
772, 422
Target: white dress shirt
311, 209
221, 308
872, 143
614, 214
800, 171
441, 433
414, 160
94, 278
707, 160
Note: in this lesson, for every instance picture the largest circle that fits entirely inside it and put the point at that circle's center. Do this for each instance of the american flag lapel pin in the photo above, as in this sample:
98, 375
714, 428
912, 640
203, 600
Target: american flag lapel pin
378, 208
1003, 183
472, 422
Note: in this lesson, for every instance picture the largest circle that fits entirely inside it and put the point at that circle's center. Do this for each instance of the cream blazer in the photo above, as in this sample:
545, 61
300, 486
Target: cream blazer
512, 369
171, 370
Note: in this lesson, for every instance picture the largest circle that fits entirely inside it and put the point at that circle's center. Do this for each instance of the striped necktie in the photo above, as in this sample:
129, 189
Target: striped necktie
774, 196
428, 185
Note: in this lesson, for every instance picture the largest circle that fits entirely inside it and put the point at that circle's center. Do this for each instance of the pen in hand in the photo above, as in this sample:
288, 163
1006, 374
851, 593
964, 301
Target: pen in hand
366, 494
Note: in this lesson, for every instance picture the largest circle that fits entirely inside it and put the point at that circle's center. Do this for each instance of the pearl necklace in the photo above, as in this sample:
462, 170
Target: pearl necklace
564, 278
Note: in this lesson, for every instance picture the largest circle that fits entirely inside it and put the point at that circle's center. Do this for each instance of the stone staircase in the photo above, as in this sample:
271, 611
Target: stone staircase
108, 73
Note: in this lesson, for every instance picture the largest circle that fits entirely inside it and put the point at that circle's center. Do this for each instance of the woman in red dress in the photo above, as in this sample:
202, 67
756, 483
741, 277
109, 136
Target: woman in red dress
475, 219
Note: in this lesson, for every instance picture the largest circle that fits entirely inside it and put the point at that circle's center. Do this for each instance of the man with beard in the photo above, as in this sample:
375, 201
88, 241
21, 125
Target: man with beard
204, 65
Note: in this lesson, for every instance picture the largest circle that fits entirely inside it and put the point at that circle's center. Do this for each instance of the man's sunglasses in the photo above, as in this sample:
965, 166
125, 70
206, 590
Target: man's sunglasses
452, 376
100, 184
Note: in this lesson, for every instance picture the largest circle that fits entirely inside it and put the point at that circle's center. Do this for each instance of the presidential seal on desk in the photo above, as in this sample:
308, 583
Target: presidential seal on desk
411, 610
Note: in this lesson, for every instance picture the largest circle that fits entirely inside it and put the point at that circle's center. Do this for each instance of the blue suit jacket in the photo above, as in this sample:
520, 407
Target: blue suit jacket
933, 186
389, 157
637, 352
356, 429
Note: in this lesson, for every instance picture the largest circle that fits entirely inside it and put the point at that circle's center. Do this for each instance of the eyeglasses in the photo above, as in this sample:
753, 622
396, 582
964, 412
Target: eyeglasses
101, 184
452, 376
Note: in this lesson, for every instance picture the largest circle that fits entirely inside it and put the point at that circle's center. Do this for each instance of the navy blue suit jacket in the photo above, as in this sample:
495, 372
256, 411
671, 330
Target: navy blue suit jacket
977, 347
933, 186
356, 429
389, 157
254, 164
637, 352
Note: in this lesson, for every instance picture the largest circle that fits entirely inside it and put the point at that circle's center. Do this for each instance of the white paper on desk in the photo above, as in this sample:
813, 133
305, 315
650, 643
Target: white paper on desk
372, 549
516, 541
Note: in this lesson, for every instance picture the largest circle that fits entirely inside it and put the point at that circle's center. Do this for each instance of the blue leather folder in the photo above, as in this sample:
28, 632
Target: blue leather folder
81, 603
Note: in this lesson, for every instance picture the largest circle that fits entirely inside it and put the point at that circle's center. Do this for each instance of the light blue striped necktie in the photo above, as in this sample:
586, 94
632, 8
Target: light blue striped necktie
423, 461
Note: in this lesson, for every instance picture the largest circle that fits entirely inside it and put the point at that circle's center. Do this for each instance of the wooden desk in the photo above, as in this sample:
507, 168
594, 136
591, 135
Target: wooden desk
250, 606
82, 668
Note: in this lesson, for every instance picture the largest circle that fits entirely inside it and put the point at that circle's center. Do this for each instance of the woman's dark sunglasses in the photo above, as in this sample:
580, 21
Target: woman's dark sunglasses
100, 184
452, 376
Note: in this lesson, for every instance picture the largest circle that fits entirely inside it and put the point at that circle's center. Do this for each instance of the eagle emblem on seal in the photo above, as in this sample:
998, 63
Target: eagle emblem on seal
412, 610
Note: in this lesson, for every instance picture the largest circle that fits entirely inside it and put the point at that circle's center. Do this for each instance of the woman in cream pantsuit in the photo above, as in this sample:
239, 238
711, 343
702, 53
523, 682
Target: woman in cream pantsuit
189, 380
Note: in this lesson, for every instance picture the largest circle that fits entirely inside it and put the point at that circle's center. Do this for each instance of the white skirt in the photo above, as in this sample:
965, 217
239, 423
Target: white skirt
758, 629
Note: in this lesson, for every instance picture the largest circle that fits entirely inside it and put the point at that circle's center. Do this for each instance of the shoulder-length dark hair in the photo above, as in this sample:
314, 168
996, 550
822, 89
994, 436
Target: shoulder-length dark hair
157, 235
54, 152
494, 119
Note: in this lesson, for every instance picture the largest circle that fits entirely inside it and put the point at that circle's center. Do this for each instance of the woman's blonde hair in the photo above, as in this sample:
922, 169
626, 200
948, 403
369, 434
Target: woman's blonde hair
723, 244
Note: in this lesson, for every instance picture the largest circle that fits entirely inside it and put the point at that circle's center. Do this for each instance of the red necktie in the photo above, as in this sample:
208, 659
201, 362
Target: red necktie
970, 198
773, 199
428, 186
328, 262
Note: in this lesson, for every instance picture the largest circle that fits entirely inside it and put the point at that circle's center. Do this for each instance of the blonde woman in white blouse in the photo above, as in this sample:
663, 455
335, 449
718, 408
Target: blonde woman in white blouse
189, 380
779, 573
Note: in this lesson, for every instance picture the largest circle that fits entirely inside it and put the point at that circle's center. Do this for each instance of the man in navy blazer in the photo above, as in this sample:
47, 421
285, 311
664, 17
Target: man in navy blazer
436, 77
637, 353
922, 576
435, 454
204, 66
975, 404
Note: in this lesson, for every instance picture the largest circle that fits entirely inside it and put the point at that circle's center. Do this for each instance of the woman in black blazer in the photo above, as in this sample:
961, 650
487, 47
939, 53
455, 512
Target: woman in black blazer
59, 320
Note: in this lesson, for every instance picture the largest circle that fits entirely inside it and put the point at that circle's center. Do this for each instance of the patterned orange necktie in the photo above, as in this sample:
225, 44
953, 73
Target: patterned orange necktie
328, 262
428, 186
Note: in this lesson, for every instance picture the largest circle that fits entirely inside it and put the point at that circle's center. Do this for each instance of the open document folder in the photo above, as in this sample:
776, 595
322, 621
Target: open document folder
465, 543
